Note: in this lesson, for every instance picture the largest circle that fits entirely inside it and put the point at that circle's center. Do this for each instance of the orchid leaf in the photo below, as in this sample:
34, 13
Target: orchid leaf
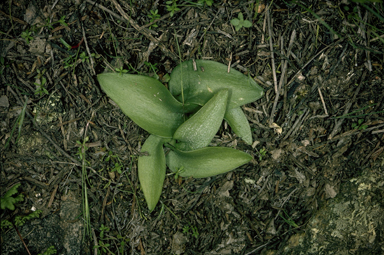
208, 77
151, 170
199, 130
145, 100
239, 124
206, 162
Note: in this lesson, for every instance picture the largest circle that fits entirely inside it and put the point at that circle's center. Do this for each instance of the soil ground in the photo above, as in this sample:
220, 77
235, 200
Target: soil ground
320, 123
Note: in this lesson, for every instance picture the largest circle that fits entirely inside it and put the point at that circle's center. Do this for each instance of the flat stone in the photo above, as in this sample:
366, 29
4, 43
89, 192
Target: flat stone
37, 46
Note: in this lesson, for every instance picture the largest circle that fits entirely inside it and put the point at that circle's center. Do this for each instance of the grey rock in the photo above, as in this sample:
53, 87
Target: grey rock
37, 46
347, 224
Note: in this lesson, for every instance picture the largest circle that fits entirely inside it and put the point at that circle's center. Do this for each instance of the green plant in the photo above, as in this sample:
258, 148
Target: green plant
8, 201
121, 70
84, 57
288, 220
154, 68
153, 16
69, 61
208, 2
101, 244
50, 24
62, 21
172, 7
82, 148
359, 125
41, 80
50, 251
185, 119
115, 161
195, 232
20, 220
239, 22
186, 229
27, 35
262, 153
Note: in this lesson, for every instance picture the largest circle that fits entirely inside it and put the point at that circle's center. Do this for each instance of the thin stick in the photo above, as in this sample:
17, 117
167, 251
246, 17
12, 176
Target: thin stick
322, 100
106, 9
283, 71
22, 240
229, 64
271, 49
52, 196
162, 18
201, 37
22, 22
89, 52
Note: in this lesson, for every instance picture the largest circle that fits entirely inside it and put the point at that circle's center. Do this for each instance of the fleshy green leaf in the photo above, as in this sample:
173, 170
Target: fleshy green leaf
240, 16
198, 131
239, 124
151, 169
235, 22
247, 23
200, 85
206, 162
145, 100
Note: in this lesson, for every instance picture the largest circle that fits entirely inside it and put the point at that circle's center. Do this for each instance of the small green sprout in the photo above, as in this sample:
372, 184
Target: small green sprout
195, 232
102, 241
208, 2
70, 61
262, 153
50, 251
84, 57
186, 229
50, 24
239, 22
62, 21
40, 89
288, 220
178, 172
153, 16
121, 70
172, 7
154, 69
27, 35
359, 125
82, 148
115, 160
102, 230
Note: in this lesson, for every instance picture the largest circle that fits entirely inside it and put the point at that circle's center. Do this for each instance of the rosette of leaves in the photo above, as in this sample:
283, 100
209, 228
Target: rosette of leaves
185, 119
